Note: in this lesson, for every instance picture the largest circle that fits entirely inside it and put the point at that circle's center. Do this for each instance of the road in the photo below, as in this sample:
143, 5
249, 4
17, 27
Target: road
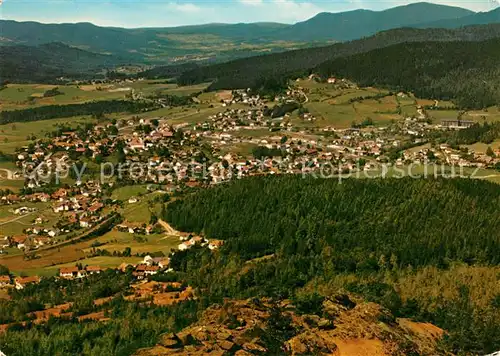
305, 96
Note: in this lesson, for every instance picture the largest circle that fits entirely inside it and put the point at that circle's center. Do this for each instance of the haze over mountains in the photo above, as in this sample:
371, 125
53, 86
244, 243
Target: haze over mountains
149, 43
53, 50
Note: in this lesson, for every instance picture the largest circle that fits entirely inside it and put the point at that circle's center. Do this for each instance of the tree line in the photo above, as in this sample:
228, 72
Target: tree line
96, 108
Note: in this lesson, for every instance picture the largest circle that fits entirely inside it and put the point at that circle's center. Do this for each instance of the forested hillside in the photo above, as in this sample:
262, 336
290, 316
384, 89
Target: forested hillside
416, 220
50, 61
251, 71
408, 244
466, 72
480, 18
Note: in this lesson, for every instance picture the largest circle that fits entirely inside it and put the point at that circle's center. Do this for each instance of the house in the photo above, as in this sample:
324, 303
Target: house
95, 207
41, 241
19, 241
123, 267
457, 123
151, 270
138, 274
60, 208
185, 245
22, 282
148, 260
215, 244
85, 222
93, 269
165, 262
21, 210
69, 272
4, 281
136, 144
60, 193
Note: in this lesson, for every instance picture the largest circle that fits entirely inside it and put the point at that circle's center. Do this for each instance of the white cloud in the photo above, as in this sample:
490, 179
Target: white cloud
250, 2
185, 7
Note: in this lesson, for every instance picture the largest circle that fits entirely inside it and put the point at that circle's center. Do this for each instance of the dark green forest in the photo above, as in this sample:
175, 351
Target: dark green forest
47, 62
374, 233
245, 72
57, 111
421, 221
466, 72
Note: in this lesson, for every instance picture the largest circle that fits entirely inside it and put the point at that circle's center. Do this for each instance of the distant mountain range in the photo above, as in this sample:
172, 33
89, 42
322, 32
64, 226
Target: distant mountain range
31, 51
49, 61
346, 26
219, 42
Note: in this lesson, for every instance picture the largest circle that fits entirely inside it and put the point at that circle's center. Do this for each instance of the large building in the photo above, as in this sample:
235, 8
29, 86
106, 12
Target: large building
457, 123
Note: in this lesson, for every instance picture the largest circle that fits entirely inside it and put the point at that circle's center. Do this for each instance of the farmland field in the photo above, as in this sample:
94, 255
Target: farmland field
23, 96
115, 241
102, 261
482, 147
124, 193
12, 224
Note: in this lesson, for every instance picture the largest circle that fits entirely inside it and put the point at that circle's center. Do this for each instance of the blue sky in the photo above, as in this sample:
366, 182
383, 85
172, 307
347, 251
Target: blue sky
164, 13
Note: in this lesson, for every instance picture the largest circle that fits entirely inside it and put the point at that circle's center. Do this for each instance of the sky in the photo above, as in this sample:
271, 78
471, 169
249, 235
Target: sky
167, 13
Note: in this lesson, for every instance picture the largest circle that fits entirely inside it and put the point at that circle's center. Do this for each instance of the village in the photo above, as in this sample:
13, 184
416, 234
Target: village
74, 171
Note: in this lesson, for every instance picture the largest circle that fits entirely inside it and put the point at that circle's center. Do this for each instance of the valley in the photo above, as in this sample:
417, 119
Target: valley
325, 187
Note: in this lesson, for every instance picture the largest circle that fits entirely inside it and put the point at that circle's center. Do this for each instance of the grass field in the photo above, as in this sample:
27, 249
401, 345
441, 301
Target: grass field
23, 96
14, 185
124, 193
119, 241
343, 115
332, 107
20, 222
482, 147
491, 114
432, 170
102, 261
138, 212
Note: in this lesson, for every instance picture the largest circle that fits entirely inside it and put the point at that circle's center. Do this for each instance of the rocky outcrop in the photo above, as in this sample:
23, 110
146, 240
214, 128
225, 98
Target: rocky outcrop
344, 327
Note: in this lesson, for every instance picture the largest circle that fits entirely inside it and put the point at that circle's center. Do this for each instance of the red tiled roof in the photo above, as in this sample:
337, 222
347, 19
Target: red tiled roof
68, 270
26, 280
93, 268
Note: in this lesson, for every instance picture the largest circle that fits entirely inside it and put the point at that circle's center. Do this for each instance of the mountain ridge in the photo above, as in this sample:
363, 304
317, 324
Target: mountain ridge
479, 18
350, 25
171, 44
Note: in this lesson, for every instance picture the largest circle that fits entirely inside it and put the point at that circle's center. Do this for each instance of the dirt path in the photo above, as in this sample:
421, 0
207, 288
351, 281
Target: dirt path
169, 229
